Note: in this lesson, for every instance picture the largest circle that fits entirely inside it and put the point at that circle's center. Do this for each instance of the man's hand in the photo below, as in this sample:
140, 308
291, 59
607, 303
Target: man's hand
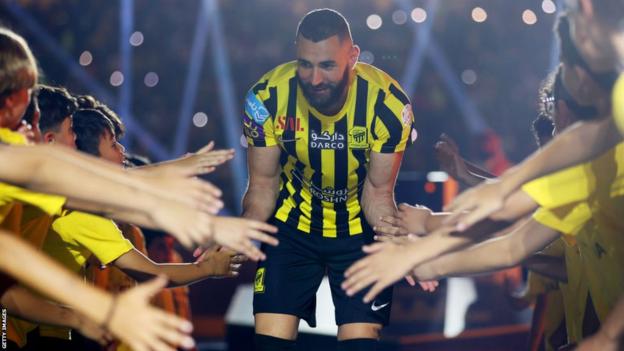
408, 220
144, 327
386, 264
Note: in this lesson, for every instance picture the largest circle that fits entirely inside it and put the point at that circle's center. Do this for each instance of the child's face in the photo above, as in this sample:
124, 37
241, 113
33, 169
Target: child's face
110, 149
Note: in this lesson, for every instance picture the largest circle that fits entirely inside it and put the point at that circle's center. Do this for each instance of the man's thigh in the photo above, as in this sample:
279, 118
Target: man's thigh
287, 281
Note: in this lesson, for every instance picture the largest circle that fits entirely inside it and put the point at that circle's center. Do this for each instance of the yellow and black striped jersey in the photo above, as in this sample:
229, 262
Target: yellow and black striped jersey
324, 159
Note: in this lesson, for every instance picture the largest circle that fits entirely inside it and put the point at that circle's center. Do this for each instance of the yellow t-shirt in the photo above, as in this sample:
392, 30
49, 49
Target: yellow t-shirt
618, 103
73, 238
19, 209
597, 229
538, 284
574, 292
76, 235
9, 194
568, 197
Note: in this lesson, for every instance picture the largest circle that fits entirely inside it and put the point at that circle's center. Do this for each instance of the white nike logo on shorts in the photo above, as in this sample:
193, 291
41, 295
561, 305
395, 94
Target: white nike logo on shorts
376, 308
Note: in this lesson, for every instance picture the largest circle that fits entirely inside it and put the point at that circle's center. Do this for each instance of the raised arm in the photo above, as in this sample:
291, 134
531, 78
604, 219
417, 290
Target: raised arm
579, 143
220, 264
177, 204
128, 316
22, 303
203, 161
491, 255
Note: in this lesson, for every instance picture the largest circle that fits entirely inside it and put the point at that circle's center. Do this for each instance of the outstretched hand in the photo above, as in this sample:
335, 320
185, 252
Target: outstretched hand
144, 327
385, 264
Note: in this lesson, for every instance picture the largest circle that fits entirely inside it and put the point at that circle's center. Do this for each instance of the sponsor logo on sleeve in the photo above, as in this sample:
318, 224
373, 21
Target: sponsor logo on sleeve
251, 129
406, 115
255, 108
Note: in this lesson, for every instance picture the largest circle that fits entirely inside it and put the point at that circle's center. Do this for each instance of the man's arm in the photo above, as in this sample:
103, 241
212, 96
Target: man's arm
378, 192
579, 143
263, 188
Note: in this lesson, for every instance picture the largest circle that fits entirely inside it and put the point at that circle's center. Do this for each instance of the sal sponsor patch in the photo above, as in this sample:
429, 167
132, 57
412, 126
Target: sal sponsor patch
289, 126
259, 281
255, 108
324, 140
358, 138
406, 115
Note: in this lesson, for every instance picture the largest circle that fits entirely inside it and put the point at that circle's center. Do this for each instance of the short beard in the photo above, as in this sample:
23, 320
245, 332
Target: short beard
336, 92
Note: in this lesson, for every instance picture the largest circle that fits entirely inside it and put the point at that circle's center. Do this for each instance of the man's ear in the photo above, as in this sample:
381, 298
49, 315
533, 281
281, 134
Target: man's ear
354, 54
48, 137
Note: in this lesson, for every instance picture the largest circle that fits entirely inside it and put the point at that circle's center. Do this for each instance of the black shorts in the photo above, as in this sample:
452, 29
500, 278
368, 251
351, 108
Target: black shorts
287, 281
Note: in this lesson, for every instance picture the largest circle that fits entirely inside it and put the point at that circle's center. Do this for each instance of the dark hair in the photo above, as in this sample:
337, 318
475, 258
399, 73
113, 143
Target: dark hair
18, 69
546, 94
136, 160
320, 24
89, 126
568, 53
581, 112
29, 114
118, 125
86, 102
542, 128
89, 102
55, 104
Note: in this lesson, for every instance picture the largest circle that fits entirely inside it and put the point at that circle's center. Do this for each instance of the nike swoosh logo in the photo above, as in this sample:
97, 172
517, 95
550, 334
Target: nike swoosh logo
376, 308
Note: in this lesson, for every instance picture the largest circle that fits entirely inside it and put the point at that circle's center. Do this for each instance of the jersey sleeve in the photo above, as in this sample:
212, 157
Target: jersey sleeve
99, 235
567, 186
393, 125
50, 204
568, 220
258, 120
